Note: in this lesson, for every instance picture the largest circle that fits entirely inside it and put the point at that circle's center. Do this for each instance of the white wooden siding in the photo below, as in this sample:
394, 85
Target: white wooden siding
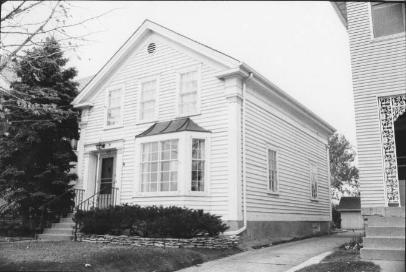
378, 69
296, 149
167, 59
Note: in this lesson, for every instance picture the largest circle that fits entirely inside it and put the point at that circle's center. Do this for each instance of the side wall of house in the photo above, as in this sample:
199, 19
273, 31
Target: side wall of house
269, 123
168, 58
378, 69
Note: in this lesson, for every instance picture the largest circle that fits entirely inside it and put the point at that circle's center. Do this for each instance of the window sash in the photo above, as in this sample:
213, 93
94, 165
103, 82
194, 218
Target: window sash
314, 182
114, 107
148, 100
188, 92
272, 171
387, 18
198, 165
159, 166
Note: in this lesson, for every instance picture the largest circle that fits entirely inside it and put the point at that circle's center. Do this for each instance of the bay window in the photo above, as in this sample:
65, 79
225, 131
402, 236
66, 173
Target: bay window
159, 166
172, 164
198, 164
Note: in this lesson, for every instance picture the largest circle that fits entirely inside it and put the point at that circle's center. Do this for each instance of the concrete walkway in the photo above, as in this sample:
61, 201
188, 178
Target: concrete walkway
279, 258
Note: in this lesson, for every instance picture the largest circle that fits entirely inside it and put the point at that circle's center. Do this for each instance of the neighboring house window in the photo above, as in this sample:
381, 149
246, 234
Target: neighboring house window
114, 107
313, 181
159, 166
198, 164
188, 92
148, 100
387, 18
272, 171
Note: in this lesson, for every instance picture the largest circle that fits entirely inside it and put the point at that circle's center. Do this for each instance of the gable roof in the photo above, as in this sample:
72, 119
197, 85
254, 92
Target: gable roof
234, 67
177, 125
349, 204
341, 10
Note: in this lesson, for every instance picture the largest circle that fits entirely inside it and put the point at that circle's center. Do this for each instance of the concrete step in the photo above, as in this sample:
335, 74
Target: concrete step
387, 221
62, 231
66, 220
383, 254
385, 231
64, 225
55, 237
384, 242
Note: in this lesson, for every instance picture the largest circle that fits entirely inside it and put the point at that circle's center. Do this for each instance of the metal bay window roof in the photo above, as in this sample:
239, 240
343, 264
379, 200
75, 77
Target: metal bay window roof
177, 125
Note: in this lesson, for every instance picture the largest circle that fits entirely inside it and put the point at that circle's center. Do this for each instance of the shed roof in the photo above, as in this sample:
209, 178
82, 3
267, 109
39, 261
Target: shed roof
349, 204
176, 125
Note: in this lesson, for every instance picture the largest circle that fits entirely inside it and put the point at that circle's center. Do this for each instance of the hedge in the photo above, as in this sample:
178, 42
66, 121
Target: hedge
150, 221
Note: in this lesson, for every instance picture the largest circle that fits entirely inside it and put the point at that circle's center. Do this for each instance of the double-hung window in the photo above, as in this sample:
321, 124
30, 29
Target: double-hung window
272, 171
314, 190
188, 100
387, 18
148, 100
159, 166
198, 165
114, 107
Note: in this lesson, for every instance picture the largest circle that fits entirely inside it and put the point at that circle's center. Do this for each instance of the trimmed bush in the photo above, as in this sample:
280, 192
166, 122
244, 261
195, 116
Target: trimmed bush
151, 221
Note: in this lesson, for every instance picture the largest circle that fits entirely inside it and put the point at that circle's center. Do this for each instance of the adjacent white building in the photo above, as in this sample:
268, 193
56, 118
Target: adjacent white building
170, 121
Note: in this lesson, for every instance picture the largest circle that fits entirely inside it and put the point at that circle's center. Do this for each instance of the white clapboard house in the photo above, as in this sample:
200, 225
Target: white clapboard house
170, 121
378, 58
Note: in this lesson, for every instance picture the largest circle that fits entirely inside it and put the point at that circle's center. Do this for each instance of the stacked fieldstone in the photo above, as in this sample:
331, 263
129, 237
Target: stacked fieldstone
198, 242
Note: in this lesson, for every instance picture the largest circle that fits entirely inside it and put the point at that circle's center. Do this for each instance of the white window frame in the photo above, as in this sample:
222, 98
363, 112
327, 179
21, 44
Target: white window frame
313, 165
188, 69
184, 163
206, 138
382, 38
106, 106
156, 110
277, 151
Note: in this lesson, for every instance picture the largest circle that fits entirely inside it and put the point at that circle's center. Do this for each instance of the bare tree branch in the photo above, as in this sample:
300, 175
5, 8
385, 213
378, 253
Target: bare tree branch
29, 38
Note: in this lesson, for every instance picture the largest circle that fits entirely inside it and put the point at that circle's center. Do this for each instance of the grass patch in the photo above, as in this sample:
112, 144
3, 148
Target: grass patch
72, 256
342, 260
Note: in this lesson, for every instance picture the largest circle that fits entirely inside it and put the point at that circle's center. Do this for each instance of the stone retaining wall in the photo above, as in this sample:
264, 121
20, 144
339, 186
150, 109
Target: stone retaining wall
198, 242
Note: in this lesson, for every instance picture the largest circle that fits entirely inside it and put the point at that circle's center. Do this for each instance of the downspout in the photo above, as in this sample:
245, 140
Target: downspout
244, 183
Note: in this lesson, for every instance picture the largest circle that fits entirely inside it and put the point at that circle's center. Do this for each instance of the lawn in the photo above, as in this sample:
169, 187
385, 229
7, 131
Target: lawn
342, 260
73, 256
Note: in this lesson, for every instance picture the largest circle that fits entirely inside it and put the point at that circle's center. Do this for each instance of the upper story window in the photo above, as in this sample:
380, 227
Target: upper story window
314, 188
114, 107
148, 100
198, 165
159, 166
188, 100
387, 18
272, 171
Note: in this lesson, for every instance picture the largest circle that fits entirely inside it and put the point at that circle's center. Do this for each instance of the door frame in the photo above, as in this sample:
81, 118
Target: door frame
112, 153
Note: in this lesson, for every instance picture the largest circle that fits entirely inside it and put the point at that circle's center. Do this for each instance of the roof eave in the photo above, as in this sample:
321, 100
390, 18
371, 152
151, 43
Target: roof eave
243, 70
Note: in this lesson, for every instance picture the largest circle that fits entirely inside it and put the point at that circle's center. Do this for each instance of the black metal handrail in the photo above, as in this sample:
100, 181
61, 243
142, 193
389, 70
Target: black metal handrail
43, 207
102, 199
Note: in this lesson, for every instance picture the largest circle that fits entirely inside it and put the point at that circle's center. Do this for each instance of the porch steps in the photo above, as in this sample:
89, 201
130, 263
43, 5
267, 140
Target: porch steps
385, 236
62, 231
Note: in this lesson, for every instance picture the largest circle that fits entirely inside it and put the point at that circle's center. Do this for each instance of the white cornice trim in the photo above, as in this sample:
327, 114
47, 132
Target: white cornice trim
243, 70
144, 29
83, 105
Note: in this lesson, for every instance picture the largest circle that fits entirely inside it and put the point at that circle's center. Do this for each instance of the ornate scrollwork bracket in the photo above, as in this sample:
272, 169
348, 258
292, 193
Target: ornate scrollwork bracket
390, 108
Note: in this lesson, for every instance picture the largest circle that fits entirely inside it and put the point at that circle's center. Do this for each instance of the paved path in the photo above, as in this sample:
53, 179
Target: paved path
277, 258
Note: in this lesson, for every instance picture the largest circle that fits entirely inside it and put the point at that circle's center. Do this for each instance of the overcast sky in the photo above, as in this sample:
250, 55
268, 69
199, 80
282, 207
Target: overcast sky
300, 46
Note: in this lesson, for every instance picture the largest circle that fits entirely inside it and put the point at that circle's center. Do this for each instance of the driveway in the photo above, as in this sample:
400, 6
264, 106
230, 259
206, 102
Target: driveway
279, 258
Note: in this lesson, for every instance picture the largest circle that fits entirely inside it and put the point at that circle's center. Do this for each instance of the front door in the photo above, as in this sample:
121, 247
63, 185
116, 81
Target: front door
106, 197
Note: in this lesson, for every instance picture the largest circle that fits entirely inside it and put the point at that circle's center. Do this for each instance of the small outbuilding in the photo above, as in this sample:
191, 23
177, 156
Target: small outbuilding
350, 210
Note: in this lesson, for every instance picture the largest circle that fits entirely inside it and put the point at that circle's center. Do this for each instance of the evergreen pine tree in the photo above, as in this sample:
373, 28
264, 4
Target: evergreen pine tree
36, 154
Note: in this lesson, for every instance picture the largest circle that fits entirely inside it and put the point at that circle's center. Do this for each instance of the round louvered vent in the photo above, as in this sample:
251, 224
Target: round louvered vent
151, 48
